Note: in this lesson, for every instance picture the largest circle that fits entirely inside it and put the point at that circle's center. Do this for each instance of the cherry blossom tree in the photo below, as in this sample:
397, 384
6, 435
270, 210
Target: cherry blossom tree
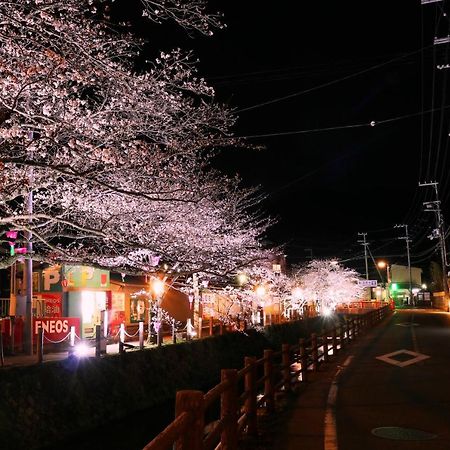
251, 290
327, 283
117, 161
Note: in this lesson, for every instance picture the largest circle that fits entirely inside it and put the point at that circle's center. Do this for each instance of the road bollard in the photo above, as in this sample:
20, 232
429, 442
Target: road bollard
40, 345
122, 338
141, 335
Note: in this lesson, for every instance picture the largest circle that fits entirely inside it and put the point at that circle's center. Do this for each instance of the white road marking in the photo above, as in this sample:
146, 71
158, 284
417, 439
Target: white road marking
414, 338
330, 434
415, 358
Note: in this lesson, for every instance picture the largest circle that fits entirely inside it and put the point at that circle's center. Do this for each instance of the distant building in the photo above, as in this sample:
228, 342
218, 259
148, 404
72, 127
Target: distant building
399, 286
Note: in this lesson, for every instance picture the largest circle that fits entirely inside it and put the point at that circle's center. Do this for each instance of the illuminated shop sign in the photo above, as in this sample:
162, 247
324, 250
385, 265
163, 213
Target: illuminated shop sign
86, 277
56, 328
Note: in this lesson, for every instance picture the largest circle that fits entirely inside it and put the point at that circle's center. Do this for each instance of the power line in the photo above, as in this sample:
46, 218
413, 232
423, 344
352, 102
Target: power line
337, 127
329, 83
365, 244
408, 241
434, 206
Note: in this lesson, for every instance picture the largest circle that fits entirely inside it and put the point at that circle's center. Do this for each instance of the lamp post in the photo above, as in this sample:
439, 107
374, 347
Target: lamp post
385, 265
149, 320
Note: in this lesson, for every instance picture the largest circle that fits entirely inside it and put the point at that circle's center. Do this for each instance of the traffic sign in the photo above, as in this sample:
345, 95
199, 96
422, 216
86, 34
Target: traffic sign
367, 283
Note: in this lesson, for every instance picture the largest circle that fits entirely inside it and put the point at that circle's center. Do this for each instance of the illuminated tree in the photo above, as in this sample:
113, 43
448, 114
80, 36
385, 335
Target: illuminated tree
327, 283
117, 160
252, 289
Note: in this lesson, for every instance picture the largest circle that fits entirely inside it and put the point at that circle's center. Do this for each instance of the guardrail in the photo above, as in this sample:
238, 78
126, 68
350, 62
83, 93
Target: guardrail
256, 386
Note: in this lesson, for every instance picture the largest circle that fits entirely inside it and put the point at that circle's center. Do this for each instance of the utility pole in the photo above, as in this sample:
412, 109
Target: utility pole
365, 244
28, 268
435, 206
407, 240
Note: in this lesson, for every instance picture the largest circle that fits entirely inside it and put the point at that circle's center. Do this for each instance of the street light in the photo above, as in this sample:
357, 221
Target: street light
297, 293
242, 279
157, 289
260, 291
384, 265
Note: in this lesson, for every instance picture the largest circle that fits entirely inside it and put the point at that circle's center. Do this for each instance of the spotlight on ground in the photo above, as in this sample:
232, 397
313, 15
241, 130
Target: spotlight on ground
81, 350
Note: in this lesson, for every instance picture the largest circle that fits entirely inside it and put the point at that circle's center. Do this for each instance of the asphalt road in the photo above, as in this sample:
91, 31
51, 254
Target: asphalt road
362, 402
374, 393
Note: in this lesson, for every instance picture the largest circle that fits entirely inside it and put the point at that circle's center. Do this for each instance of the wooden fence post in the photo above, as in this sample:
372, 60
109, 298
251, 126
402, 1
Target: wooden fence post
193, 403
269, 392
303, 359
250, 405
351, 329
2, 358
229, 411
325, 345
341, 335
286, 365
315, 352
334, 341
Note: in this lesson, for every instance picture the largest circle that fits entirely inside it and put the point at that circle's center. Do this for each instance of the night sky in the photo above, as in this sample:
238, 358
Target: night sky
325, 186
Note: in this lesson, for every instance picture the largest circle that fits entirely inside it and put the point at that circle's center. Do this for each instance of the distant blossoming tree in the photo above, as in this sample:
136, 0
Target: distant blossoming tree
251, 290
327, 283
109, 166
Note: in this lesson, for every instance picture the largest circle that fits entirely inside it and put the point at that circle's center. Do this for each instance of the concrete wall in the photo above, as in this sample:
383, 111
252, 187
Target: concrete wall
45, 404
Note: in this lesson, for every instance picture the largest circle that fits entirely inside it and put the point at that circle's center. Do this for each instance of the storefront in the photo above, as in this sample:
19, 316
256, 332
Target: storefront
88, 296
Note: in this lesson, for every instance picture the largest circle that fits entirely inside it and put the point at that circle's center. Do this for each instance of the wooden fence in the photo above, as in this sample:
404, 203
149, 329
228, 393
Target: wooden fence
256, 386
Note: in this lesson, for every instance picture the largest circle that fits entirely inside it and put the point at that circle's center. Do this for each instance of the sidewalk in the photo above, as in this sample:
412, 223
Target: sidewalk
20, 359
304, 413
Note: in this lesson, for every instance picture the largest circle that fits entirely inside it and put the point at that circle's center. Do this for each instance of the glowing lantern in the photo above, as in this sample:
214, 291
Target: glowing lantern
157, 286
260, 291
11, 234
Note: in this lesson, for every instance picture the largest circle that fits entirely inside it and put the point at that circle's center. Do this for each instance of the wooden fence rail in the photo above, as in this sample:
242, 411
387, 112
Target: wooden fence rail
256, 386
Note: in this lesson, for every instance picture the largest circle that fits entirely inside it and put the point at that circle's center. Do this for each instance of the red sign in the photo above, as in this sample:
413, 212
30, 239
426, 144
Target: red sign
56, 328
47, 304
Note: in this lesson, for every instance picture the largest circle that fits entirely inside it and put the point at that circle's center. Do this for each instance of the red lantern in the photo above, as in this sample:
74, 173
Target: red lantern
11, 234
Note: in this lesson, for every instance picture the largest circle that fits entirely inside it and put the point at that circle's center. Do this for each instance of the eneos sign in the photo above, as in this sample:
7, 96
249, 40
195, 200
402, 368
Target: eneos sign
56, 328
